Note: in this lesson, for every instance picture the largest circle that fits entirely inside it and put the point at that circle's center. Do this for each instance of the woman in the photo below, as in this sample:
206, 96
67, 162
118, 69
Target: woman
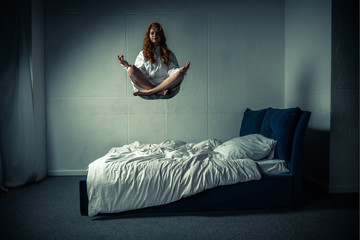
156, 70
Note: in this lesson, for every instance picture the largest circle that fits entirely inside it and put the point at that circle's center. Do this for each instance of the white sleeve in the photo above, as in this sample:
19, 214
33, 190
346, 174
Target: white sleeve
140, 63
173, 64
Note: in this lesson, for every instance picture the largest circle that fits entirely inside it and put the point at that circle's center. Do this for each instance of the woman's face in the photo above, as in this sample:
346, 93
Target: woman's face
155, 35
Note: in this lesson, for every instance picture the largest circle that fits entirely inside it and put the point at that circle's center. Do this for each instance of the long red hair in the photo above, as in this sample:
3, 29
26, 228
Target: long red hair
148, 46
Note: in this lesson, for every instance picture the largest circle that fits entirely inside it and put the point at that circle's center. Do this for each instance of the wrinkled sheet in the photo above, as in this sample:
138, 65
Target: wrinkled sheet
273, 166
143, 175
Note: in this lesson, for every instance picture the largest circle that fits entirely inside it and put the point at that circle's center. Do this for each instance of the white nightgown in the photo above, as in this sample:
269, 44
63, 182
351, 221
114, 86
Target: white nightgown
156, 72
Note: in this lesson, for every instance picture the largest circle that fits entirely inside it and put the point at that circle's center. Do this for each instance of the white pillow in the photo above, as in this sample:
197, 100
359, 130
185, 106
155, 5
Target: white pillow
253, 146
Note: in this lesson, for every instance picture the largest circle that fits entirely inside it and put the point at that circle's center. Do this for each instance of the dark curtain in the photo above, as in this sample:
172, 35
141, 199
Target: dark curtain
19, 156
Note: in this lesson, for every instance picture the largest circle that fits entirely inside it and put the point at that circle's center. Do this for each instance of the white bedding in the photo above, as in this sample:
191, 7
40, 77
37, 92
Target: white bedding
142, 175
273, 166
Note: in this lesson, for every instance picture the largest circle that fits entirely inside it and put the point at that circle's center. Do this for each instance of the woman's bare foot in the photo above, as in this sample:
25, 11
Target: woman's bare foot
187, 66
141, 93
163, 93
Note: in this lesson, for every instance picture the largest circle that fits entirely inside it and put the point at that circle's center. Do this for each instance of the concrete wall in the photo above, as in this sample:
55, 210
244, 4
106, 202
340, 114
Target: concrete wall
243, 54
308, 78
236, 49
344, 144
38, 72
322, 75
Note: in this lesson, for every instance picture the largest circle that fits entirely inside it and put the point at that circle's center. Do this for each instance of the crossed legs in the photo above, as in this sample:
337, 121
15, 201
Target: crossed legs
139, 79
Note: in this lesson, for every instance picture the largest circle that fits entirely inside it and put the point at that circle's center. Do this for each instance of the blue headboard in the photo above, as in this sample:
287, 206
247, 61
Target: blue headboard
278, 124
288, 127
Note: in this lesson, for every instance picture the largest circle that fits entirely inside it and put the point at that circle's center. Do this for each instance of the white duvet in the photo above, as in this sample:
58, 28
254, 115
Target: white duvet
142, 175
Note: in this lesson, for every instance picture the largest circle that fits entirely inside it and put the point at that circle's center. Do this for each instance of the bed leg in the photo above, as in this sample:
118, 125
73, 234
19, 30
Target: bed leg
84, 201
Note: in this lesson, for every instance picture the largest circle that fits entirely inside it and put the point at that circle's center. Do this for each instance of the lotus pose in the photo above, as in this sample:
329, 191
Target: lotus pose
156, 70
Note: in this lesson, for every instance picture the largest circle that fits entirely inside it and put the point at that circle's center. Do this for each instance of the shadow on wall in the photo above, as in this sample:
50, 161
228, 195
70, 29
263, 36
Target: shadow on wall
316, 159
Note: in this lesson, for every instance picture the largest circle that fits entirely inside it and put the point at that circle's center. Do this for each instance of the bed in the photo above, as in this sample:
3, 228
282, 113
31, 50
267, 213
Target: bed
259, 169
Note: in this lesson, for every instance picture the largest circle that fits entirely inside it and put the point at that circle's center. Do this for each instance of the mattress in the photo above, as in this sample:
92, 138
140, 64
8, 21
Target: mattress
268, 167
139, 175
143, 175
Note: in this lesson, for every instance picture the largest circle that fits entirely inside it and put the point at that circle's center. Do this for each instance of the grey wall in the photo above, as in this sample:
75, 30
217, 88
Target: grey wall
39, 106
321, 75
344, 144
243, 54
236, 49
308, 78
308, 59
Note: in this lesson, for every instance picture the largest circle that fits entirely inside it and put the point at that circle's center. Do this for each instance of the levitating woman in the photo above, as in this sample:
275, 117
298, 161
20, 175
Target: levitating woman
156, 70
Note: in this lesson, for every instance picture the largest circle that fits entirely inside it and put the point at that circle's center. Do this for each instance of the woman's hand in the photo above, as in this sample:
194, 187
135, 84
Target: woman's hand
122, 61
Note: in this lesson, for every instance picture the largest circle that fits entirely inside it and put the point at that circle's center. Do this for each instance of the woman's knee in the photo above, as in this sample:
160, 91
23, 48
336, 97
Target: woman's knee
131, 70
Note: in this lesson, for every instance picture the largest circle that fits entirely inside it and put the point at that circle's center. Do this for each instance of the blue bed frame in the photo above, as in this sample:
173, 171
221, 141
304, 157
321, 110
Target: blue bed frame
272, 191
